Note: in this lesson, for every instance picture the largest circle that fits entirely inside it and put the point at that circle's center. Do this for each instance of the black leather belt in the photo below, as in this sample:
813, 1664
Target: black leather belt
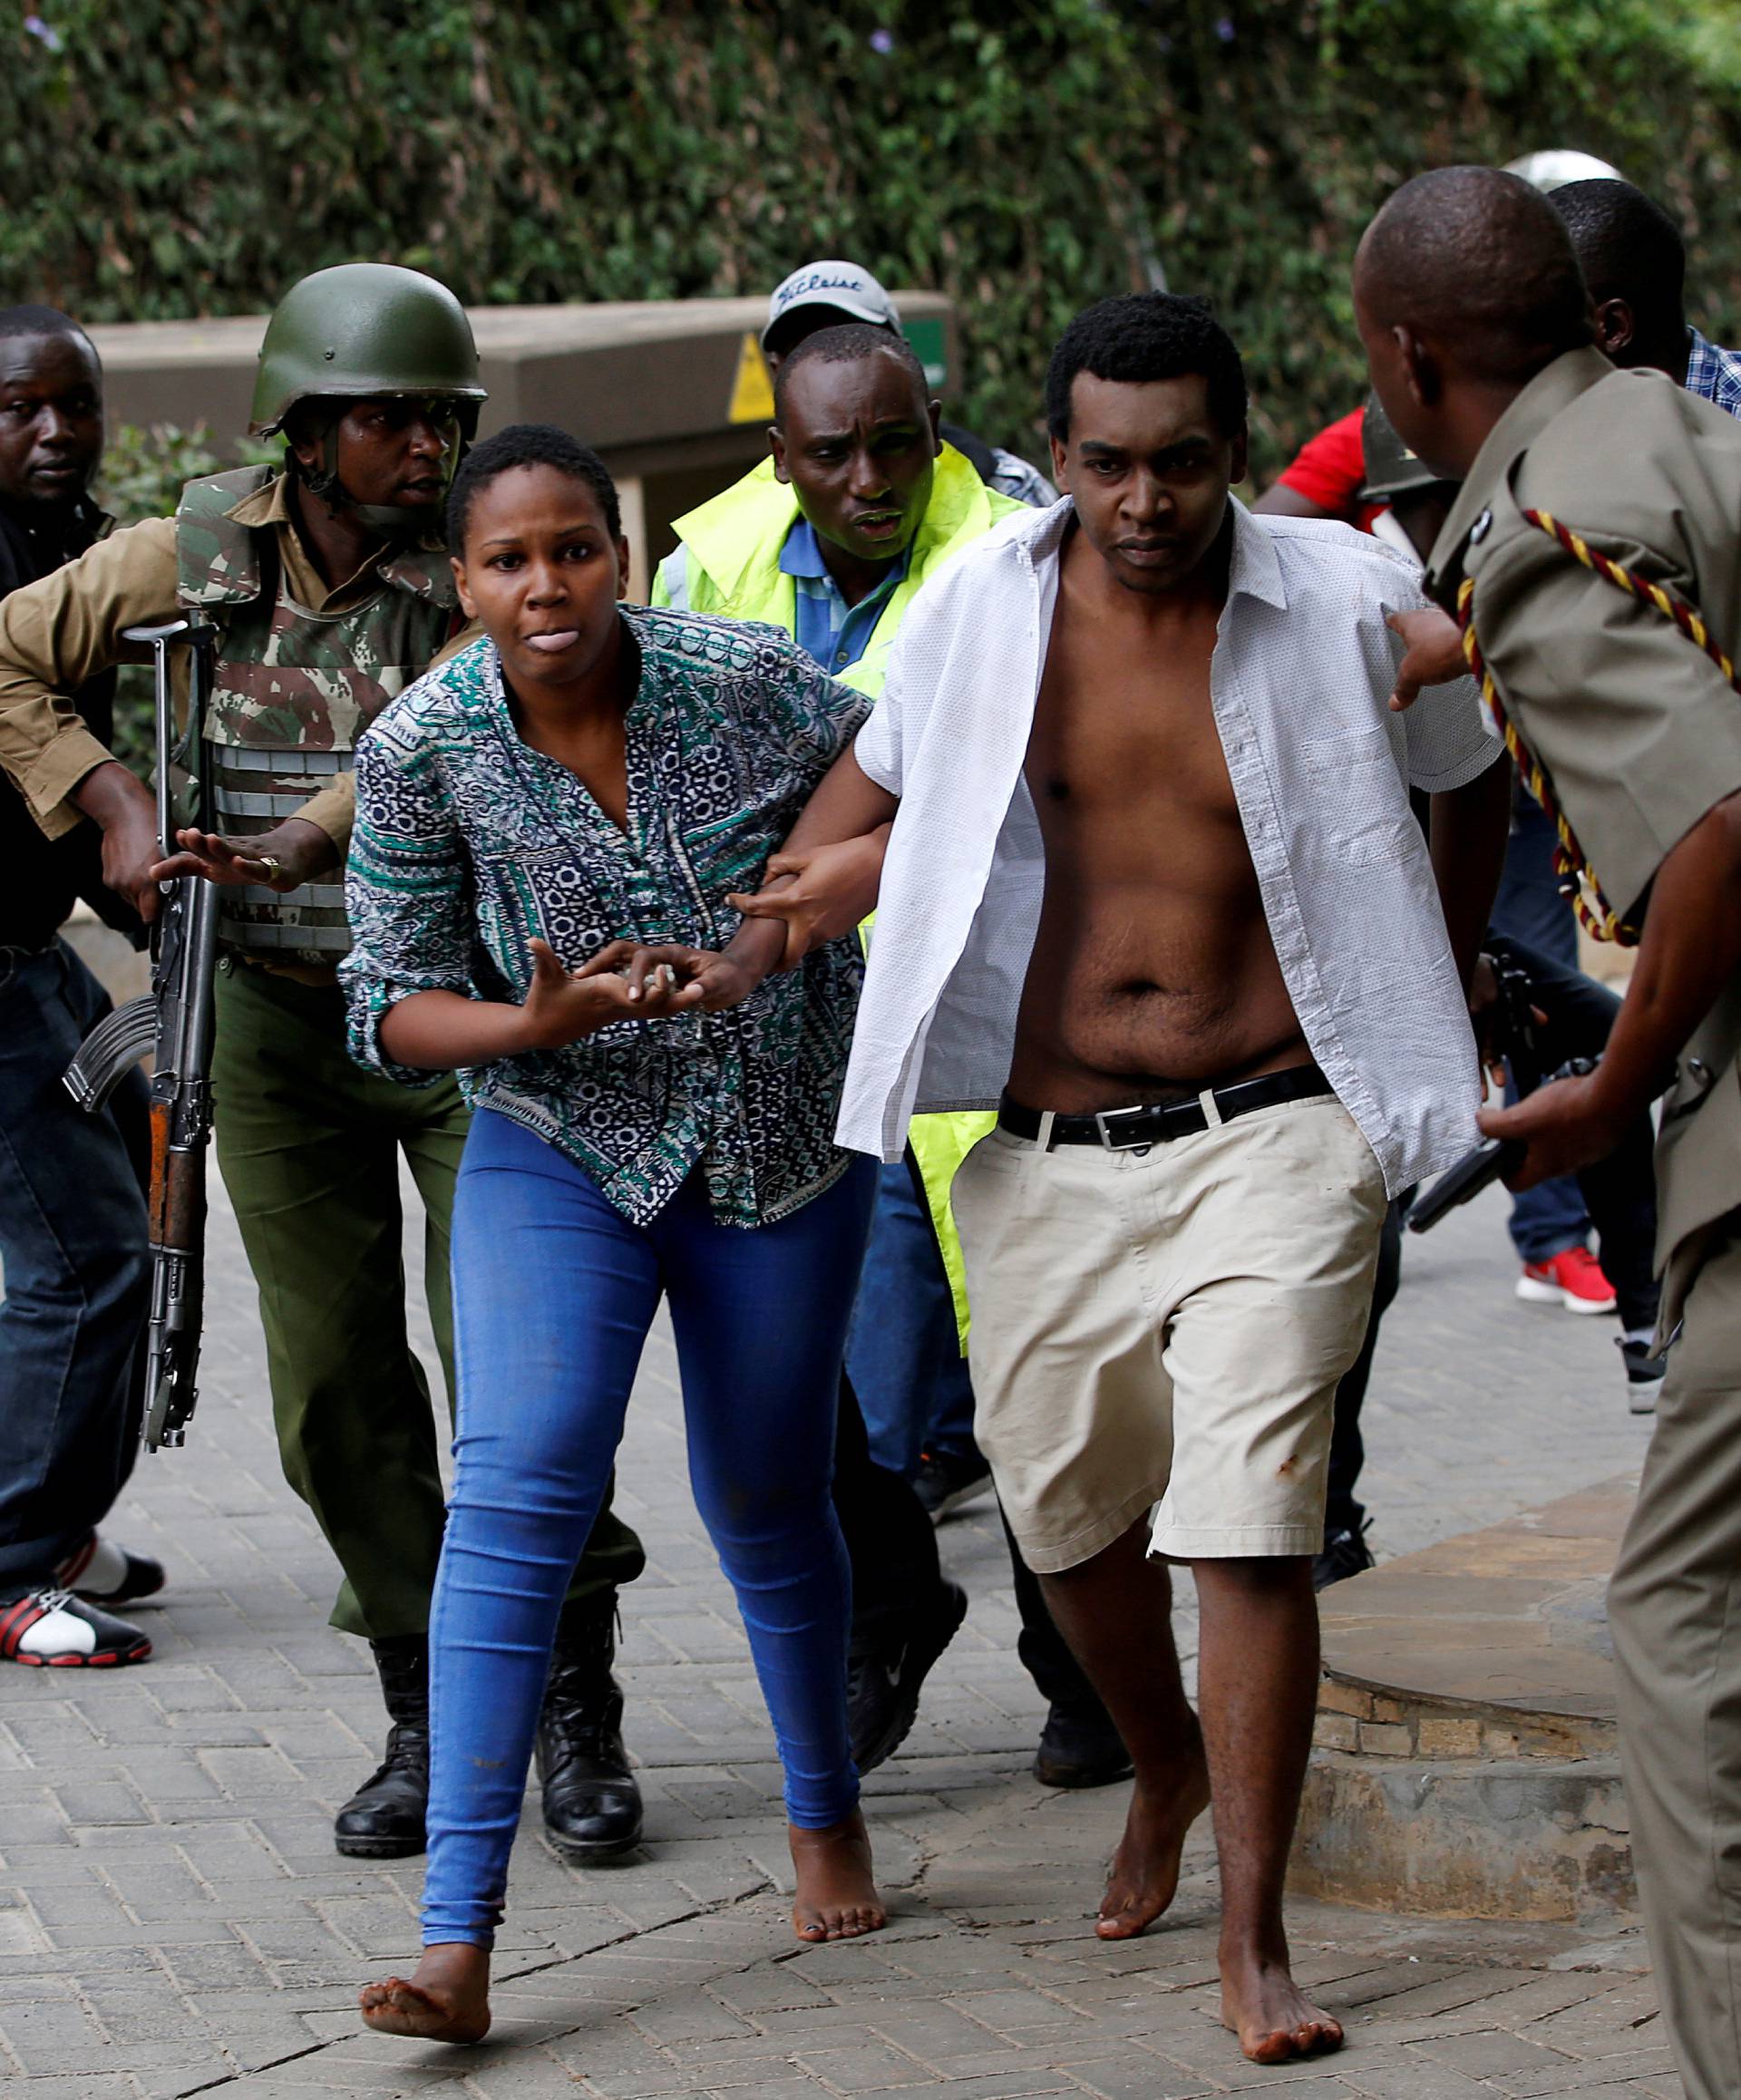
1123, 1130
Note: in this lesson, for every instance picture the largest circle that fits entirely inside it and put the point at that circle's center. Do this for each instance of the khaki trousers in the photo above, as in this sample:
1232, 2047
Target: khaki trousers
1167, 1328
1675, 1610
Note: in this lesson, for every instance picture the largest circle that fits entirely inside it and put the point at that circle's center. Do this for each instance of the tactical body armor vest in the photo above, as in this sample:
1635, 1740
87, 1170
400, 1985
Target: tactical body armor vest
293, 691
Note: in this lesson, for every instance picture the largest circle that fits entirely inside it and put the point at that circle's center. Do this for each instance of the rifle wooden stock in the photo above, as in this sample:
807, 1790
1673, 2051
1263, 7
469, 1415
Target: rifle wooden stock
178, 1198
158, 1202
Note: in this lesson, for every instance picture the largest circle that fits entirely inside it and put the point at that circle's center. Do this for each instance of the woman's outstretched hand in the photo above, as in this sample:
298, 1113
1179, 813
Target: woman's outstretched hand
563, 1006
627, 981
692, 979
438, 1031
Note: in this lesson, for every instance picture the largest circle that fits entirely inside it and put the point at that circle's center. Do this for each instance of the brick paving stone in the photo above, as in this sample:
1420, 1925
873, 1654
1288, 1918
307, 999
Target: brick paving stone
1129, 2078
526, 2077
1408, 2075
1495, 2054
83, 2085
173, 1917
1608, 2090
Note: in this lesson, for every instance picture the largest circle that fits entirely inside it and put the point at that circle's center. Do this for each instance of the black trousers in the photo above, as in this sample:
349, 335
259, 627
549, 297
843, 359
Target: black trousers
889, 1536
893, 1545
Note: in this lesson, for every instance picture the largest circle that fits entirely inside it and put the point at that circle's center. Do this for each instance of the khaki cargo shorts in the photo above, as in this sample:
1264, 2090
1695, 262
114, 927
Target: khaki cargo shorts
1167, 1329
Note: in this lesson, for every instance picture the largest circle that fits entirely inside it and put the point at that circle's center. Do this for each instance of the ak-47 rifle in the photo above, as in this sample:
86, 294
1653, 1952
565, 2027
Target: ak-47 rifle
173, 1022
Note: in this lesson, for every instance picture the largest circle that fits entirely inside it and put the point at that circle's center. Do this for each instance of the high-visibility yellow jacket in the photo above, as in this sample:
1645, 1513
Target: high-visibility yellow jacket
732, 567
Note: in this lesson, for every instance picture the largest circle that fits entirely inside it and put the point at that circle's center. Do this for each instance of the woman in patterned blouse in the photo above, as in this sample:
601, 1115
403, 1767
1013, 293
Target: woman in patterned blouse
547, 827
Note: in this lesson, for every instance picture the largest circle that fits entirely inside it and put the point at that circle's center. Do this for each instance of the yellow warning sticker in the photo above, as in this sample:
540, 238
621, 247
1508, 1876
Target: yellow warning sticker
752, 389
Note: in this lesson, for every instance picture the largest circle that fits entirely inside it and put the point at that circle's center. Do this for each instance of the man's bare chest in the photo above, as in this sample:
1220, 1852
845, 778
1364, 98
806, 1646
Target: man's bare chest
1137, 741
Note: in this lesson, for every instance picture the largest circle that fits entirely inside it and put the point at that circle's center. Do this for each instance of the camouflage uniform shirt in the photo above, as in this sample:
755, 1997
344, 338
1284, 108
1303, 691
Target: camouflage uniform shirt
57, 634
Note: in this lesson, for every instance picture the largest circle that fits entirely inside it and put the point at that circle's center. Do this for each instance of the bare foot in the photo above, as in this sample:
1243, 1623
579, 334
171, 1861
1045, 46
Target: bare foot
447, 2000
1275, 2020
1144, 1873
836, 1897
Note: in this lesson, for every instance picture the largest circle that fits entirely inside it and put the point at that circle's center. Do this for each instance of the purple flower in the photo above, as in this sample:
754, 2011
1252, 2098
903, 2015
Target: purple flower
883, 40
1225, 30
40, 29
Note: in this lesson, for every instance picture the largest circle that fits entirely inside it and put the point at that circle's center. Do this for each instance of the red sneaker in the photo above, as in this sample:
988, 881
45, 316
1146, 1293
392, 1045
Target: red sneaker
1573, 1279
54, 1628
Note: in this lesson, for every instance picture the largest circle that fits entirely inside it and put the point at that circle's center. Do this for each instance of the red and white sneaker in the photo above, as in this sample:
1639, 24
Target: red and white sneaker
1573, 1279
53, 1627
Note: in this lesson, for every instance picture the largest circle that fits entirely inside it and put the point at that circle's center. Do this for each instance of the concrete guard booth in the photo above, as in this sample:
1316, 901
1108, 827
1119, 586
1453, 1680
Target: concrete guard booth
674, 394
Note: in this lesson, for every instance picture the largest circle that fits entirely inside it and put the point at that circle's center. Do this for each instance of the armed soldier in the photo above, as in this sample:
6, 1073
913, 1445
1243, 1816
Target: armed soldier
1594, 557
331, 591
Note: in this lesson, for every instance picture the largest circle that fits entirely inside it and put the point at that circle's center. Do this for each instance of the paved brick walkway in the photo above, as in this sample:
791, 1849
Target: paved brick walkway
173, 1918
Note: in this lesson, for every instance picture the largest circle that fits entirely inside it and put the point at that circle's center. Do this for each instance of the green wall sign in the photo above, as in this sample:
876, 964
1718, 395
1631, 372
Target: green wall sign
931, 341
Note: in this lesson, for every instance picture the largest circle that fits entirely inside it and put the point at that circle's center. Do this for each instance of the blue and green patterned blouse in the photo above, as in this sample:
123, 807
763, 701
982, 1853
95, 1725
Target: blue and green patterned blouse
467, 843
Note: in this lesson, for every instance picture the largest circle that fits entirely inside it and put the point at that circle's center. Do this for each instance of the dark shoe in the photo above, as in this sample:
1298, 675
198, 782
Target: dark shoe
882, 1684
1344, 1554
53, 1629
592, 1803
383, 1819
1643, 1376
947, 1479
105, 1573
1081, 1750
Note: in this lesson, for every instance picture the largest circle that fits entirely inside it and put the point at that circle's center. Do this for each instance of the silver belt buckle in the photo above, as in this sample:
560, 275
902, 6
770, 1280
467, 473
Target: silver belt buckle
1105, 1119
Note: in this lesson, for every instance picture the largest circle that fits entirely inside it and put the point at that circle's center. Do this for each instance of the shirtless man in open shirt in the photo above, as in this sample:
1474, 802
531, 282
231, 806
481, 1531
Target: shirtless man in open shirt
1153, 875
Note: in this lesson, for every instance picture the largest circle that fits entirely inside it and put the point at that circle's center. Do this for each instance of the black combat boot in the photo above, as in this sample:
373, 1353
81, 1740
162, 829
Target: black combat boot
592, 1806
383, 1819
1081, 1746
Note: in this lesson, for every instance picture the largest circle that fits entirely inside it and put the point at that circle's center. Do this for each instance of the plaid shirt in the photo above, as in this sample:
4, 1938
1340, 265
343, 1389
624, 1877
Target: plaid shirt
1713, 374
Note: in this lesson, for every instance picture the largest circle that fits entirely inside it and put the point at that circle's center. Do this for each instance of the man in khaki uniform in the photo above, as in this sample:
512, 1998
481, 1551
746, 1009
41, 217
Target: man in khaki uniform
329, 584
1477, 327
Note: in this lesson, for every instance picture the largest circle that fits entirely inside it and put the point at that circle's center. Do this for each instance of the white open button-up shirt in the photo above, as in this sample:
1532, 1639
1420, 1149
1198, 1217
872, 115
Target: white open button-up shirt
1301, 681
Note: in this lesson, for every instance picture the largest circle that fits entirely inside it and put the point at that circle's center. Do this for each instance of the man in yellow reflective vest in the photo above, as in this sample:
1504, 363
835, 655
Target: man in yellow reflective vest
831, 539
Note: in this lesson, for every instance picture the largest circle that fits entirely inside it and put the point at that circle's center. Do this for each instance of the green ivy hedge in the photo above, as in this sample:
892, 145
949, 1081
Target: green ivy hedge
1024, 155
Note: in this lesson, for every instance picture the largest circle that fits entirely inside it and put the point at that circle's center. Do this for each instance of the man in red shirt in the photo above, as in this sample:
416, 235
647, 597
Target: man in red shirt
1327, 479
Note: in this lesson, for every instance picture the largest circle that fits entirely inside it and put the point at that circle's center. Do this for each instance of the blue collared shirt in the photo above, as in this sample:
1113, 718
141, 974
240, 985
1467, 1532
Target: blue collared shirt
829, 631
1712, 373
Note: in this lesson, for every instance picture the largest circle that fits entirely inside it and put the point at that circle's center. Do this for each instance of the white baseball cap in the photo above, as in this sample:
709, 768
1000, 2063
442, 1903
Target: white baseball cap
842, 287
1554, 166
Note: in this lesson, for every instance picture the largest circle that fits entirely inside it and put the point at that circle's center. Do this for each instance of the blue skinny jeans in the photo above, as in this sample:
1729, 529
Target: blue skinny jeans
553, 1295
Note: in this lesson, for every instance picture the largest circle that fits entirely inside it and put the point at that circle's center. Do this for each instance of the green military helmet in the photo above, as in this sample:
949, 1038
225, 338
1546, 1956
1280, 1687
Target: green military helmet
1392, 470
361, 330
